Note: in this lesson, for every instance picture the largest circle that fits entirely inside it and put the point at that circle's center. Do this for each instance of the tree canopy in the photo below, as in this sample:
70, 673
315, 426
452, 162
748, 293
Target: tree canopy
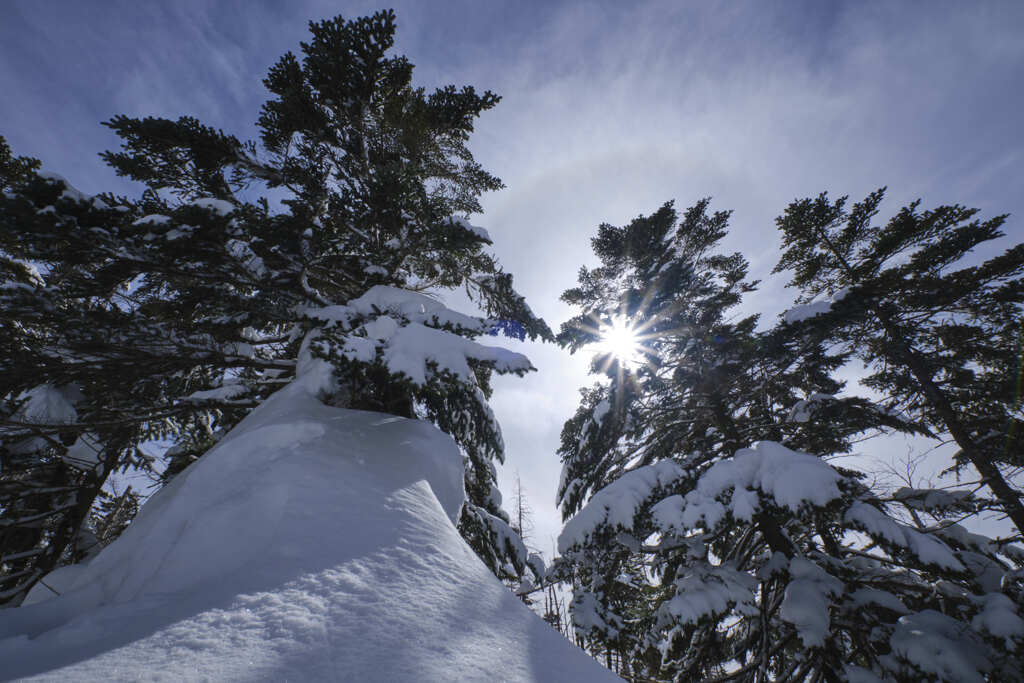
709, 532
242, 266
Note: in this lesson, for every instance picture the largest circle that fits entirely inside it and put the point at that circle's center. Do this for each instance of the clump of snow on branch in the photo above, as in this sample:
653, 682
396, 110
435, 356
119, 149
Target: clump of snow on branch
811, 309
939, 645
218, 206
414, 335
479, 232
927, 548
803, 409
807, 600
616, 505
792, 479
708, 590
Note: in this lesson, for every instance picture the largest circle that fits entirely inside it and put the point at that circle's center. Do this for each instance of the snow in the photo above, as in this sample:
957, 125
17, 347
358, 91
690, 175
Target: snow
939, 645
931, 499
587, 614
415, 307
999, 617
413, 347
404, 327
85, 452
805, 311
49, 404
222, 393
239, 349
475, 229
807, 600
803, 409
69, 190
153, 219
792, 479
30, 271
313, 544
929, 550
617, 504
243, 253
45, 404
874, 596
707, 591
802, 312
856, 674
218, 206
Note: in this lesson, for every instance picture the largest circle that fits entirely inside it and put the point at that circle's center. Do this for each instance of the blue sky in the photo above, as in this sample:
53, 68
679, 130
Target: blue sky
609, 109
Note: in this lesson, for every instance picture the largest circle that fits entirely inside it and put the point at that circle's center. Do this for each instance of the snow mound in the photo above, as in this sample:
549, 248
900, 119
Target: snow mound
312, 544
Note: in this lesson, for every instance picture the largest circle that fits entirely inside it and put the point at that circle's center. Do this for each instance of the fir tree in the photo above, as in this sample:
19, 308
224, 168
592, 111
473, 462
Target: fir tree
942, 339
708, 537
175, 314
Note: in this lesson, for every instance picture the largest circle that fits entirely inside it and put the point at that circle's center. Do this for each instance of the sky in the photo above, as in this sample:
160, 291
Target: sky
609, 110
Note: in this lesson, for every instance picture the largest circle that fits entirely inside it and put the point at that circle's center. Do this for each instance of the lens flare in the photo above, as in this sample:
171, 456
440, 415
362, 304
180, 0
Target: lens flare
621, 340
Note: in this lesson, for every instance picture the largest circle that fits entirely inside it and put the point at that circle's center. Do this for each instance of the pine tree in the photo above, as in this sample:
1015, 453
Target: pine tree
175, 314
708, 537
942, 339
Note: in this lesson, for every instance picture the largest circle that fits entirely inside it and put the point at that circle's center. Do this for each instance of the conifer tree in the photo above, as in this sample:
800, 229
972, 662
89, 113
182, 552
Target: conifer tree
943, 339
174, 314
709, 537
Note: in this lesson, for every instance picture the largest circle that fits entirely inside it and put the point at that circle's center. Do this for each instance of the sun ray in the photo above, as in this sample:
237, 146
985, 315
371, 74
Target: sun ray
620, 341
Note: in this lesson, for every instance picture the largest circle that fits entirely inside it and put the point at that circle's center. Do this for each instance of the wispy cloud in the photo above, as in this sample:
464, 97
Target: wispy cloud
609, 110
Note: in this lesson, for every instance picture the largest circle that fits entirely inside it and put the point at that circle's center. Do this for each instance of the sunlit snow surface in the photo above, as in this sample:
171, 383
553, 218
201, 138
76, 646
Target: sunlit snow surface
313, 544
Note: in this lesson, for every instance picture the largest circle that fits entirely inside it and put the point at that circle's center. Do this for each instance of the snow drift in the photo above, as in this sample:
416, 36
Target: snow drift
312, 543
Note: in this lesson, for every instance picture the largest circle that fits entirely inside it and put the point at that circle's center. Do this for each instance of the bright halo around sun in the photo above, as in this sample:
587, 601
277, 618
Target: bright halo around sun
621, 340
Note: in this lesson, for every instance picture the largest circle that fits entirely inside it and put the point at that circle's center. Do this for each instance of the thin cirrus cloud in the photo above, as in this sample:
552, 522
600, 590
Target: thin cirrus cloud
609, 109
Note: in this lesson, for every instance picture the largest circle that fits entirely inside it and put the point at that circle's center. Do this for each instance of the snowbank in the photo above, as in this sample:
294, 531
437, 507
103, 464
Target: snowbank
312, 544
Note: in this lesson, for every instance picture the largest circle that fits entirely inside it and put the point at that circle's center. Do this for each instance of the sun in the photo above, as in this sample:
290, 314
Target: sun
622, 341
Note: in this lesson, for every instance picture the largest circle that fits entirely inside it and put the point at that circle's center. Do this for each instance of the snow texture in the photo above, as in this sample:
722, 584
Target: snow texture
856, 674
45, 404
415, 307
792, 479
874, 596
804, 408
475, 229
809, 310
218, 206
153, 219
311, 544
927, 548
931, 499
69, 190
243, 253
48, 404
405, 327
708, 590
617, 504
939, 645
225, 392
999, 617
807, 599
411, 347
84, 453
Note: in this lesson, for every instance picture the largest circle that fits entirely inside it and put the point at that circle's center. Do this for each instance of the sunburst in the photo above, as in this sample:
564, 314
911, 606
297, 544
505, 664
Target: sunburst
621, 340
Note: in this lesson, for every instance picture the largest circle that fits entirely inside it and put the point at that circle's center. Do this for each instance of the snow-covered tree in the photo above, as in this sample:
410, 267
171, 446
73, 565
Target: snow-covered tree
941, 336
708, 536
319, 251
